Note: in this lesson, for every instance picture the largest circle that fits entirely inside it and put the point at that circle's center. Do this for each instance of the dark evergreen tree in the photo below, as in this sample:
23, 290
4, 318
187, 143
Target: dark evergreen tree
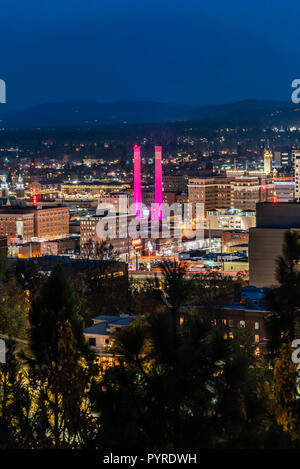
284, 300
62, 364
179, 383
16, 403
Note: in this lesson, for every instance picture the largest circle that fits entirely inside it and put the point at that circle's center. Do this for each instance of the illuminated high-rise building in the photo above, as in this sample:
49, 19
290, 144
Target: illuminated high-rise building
137, 181
158, 215
4, 187
282, 158
268, 156
20, 190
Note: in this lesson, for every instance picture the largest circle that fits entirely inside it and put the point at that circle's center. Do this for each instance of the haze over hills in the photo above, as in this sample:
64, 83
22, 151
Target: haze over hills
94, 113
83, 113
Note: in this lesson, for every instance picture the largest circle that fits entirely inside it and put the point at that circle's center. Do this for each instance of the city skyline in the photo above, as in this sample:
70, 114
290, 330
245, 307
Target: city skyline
149, 228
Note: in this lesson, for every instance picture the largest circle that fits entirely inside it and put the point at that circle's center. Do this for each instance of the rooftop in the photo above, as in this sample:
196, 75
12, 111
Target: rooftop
27, 208
104, 324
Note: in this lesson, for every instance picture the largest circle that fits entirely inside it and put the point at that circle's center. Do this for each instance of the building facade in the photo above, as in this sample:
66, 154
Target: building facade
236, 192
268, 157
51, 223
282, 159
174, 183
230, 219
112, 228
34, 223
266, 240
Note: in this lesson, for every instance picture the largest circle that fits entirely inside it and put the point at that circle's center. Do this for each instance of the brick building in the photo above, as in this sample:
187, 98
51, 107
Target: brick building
51, 222
15, 224
60, 246
115, 232
229, 192
34, 223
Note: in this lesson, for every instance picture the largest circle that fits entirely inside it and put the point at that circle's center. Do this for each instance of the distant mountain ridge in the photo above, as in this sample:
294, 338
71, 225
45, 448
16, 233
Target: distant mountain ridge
83, 113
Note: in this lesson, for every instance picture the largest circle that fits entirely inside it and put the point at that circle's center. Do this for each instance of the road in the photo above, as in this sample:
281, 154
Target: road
157, 273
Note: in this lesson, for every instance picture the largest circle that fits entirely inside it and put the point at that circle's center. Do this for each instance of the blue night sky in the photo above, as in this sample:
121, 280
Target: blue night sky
185, 51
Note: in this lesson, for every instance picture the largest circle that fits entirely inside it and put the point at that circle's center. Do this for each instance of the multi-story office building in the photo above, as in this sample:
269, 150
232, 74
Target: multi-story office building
15, 224
113, 228
235, 192
246, 192
284, 189
51, 222
282, 159
34, 222
119, 201
175, 183
212, 192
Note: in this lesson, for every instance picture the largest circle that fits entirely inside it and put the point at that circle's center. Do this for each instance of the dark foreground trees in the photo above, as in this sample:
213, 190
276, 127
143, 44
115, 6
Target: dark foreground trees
60, 367
178, 380
179, 383
203, 394
283, 326
284, 300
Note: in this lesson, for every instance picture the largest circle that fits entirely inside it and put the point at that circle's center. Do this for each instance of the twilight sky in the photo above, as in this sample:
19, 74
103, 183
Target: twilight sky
185, 51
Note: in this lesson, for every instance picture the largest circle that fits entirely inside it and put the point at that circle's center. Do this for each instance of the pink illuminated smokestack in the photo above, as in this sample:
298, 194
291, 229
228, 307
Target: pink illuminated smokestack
137, 181
158, 185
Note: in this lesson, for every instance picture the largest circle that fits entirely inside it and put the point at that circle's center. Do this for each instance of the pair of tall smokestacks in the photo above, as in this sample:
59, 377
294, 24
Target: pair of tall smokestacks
157, 214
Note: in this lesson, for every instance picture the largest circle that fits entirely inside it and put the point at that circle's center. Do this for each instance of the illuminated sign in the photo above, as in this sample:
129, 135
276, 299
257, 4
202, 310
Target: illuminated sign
34, 196
137, 242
